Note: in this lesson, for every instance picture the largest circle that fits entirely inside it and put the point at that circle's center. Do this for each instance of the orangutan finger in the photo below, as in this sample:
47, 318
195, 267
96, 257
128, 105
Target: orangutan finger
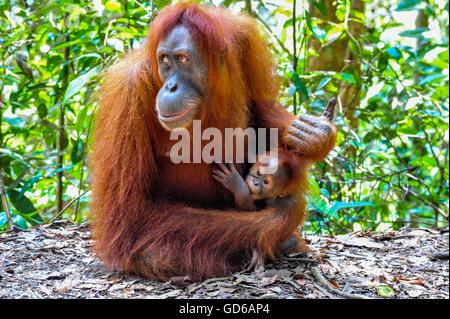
329, 110
296, 143
231, 167
224, 168
298, 133
306, 128
219, 173
217, 178
310, 119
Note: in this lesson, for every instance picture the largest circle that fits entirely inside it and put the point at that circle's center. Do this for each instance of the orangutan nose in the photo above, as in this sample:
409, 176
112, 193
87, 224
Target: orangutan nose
172, 86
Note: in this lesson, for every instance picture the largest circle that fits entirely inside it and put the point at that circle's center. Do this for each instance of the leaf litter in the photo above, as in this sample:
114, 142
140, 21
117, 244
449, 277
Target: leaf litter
56, 261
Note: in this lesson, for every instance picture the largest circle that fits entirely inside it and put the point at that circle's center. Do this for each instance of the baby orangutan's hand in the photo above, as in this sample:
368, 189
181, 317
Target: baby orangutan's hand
229, 177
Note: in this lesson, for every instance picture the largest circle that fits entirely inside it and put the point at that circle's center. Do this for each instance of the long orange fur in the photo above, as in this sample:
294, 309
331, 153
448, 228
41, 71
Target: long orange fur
158, 219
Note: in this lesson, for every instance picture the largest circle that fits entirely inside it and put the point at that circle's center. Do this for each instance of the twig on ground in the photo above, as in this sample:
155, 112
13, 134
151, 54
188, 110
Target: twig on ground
294, 284
206, 282
305, 260
67, 206
316, 273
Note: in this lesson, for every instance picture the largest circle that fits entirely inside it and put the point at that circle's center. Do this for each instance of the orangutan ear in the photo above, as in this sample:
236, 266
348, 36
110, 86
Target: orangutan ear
282, 195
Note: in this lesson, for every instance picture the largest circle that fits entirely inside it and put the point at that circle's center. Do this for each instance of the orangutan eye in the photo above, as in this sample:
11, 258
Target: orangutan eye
165, 59
182, 59
266, 181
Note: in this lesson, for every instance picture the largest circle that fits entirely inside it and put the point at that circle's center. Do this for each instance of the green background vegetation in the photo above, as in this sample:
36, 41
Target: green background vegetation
386, 60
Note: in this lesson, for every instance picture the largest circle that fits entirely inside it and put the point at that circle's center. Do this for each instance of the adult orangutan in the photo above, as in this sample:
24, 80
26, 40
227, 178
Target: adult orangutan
158, 219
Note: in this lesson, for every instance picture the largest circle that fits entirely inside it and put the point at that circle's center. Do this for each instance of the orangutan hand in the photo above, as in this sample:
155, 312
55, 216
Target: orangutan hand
313, 136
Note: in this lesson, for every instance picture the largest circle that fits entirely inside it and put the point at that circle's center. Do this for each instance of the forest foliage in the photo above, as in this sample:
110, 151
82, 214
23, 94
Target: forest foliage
386, 60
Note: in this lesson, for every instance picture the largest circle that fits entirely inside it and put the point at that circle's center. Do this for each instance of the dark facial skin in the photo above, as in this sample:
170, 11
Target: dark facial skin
183, 72
258, 184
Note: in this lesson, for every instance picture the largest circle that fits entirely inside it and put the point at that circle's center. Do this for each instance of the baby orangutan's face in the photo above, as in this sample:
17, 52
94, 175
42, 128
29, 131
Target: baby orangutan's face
263, 185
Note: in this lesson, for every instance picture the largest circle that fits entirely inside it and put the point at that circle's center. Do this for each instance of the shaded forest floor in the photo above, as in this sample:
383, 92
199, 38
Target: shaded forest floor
55, 261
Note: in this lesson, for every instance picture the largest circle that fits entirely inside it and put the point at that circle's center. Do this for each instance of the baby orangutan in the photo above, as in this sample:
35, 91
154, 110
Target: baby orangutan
268, 179
271, 179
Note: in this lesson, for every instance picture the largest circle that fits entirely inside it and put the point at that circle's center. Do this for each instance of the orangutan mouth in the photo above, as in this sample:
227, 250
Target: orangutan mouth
174, 116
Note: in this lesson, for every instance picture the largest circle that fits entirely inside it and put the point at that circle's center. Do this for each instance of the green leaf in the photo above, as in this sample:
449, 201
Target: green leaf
13, 155
325, 192
76, 85
301, 88
339, 205
385, 291
30, 183
408, 5
382, 62
89, 55
42, 110
15, 121
77, 151
394, 52
3, 219
19, 221
347, 77
318, 204
61, 169
323, 83
112, 6
287, 24
319, 33
314, 189
21, 202
80, 120
416, 33
430, 78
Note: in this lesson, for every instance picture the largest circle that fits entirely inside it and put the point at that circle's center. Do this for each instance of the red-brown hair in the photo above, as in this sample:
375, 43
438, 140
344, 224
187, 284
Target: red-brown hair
142, 221
233, 48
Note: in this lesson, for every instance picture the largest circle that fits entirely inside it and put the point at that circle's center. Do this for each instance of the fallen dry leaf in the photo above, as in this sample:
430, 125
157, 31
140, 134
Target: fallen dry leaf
301, 282
114, 280
411, 281
333, 283
320, 256
271, 281
228, 290
128, 291
213, 293
359, 241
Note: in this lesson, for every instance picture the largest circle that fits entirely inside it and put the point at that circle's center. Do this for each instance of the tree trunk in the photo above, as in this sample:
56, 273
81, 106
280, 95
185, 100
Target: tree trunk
337, 56
350, 95
421, 22
61, 135
248, 6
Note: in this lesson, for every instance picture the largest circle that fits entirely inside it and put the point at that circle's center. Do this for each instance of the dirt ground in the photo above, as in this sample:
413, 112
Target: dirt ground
55, 261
